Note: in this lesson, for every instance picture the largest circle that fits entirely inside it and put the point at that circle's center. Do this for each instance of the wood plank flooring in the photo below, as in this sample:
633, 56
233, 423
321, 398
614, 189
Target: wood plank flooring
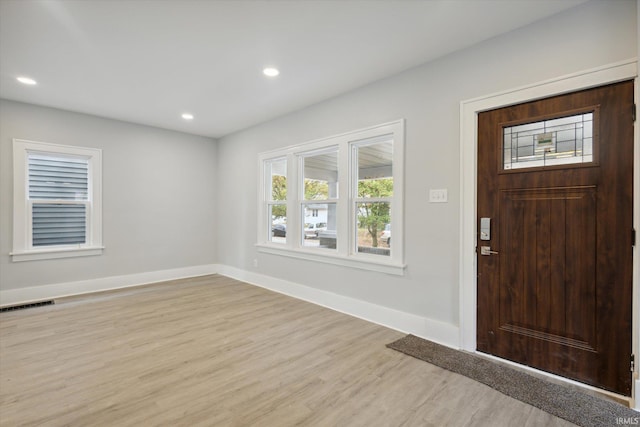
214, 351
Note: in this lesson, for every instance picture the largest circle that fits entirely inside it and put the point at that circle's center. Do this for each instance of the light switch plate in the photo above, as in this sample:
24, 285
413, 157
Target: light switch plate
438, 196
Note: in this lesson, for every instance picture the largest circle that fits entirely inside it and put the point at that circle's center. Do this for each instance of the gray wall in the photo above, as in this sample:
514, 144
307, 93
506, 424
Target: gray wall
428, 97
159, 196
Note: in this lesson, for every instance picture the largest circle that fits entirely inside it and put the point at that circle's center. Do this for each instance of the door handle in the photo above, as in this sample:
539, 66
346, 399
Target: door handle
486, 250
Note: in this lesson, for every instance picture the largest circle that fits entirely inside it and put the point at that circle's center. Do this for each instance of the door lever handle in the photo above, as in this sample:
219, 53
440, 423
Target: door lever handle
486, 250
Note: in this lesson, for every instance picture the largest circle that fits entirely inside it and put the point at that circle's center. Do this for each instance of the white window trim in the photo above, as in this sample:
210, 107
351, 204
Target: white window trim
343, 255
22, 232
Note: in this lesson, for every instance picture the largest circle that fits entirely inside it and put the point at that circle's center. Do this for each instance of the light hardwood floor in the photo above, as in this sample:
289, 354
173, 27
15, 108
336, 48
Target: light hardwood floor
214, 351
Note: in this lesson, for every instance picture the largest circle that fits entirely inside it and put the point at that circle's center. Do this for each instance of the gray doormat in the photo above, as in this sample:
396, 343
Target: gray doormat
572, 405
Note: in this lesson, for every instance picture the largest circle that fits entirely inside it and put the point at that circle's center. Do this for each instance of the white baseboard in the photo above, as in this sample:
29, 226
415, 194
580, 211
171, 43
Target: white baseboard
433, 330
636, 405
59, 290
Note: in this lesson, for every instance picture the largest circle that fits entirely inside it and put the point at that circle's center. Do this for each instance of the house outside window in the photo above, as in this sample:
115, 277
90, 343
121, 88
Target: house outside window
57, 201
344, 195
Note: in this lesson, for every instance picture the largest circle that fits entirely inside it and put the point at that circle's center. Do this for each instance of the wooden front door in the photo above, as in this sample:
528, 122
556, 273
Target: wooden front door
555, 178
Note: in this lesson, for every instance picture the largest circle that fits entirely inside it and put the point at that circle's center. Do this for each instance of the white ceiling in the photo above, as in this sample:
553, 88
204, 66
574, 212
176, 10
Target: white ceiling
149, 61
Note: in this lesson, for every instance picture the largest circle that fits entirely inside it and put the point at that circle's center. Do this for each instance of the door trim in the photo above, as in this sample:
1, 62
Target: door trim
469, 109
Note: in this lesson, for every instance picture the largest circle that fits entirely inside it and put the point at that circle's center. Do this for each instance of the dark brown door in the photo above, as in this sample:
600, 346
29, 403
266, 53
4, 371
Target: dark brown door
555, 177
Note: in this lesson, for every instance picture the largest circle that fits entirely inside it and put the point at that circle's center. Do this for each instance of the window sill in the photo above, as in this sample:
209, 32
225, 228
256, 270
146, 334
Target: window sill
40, 254
363, 263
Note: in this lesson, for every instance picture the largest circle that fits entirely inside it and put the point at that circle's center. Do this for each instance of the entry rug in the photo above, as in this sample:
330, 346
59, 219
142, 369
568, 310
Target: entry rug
572, 405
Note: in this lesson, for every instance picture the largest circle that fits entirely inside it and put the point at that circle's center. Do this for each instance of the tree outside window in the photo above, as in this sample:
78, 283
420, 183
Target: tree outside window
372, 217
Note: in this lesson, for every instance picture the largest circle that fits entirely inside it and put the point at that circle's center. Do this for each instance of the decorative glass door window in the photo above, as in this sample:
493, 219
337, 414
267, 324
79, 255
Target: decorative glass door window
561, 141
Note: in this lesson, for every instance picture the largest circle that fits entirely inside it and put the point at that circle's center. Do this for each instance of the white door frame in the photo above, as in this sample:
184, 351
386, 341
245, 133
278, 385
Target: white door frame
469, 110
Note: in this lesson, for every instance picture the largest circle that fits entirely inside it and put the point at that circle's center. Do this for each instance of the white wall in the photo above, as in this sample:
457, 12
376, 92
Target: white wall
428, 97
159, 190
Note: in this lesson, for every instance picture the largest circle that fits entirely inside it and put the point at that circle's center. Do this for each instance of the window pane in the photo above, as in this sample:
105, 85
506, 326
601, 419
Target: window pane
321, 176
375, 170
561, 141
56, 177
277, 172
373, 229
278, 223
58, 224
319, 226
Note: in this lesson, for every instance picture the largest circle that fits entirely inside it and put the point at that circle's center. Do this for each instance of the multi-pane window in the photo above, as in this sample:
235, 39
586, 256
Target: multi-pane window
345, 197
276, 197
373, 195
319, 198
56, 201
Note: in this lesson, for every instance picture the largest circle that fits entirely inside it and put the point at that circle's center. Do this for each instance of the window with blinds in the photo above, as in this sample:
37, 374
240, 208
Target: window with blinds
57, 201
58, 195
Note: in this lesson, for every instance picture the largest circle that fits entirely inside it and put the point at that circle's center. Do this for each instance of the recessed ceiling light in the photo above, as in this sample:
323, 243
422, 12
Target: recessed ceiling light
187, 116
26, 80
271, 72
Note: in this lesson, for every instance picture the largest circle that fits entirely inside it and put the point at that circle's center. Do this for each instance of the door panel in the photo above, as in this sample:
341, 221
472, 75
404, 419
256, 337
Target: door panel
556, 295
552, 235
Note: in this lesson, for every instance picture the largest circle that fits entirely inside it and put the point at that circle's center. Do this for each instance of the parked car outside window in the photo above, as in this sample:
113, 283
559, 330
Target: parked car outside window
311, 231
279, 230
386, 235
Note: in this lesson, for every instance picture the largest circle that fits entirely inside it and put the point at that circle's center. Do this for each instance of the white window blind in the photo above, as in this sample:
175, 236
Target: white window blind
54, 177
53, 180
